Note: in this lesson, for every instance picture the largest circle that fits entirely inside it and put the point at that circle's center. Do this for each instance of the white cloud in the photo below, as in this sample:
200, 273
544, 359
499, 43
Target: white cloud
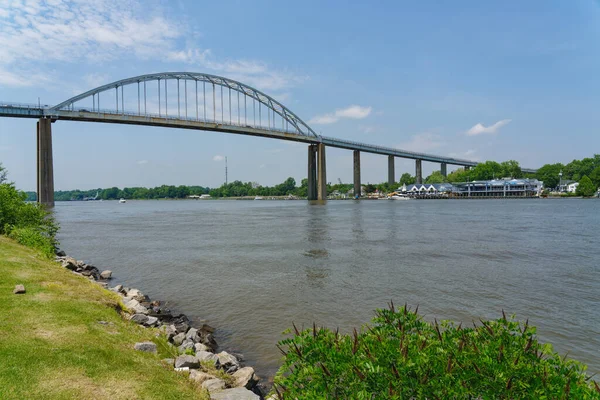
480, 128
422, 142
469, 154
352, 112
142, 162
218, 158
34, 35
367, 129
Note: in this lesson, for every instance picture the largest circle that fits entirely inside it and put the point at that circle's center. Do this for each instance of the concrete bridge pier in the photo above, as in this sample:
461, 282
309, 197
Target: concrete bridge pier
312, 172
467, 167
357, 185
45, 169
391, 170
418, 171
321, 173
444, 169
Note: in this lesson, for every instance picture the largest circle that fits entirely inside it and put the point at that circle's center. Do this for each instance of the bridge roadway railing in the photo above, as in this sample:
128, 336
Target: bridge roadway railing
10, 109
390, 151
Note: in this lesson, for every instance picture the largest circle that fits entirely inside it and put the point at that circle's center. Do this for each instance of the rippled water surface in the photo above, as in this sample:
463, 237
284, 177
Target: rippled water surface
250, 268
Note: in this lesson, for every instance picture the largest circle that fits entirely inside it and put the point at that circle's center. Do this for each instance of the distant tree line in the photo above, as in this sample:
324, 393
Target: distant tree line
137, 193
576, 170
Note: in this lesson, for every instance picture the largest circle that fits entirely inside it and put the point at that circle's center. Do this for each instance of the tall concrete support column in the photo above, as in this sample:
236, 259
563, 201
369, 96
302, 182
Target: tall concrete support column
444, 169
391, 170
45, 170
357, 185
418, 171
321, 173
312, 172
467, 167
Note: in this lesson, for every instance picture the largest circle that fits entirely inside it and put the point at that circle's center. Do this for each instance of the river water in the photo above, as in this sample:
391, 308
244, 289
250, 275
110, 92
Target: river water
251, 268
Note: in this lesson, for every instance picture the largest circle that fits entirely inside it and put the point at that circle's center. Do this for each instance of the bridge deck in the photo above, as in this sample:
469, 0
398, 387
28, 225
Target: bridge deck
84, 115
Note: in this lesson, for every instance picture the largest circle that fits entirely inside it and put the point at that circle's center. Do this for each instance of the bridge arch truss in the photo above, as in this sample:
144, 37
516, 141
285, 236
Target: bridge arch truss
213, 100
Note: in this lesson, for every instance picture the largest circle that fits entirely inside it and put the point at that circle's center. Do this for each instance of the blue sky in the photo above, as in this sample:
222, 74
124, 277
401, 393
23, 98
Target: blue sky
471, 79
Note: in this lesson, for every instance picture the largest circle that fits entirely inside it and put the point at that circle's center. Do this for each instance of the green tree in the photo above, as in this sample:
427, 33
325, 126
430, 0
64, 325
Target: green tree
302, 191
370, 188
407, 179
595, 176
511, 169
459, 175
486, 171
3, 174
549, 174
435, 177
586, 188
110, 194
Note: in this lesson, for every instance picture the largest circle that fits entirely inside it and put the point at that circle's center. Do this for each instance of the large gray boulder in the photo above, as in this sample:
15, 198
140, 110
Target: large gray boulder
186, 345
178, 339
205, 356
106, 274
136, 295
139, 318
245, 377
201, 347
187, 361
213, 384
209, 340
152, 321
70, 263
234, 394
228, 362
148, 347
200, 377
191, 333
135, 306
170, 331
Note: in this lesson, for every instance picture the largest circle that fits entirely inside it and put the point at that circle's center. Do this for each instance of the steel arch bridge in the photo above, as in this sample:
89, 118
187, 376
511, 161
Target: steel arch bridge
206, 102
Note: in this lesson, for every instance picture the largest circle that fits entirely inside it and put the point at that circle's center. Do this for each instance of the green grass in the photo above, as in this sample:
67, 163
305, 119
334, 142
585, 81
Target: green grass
52, 345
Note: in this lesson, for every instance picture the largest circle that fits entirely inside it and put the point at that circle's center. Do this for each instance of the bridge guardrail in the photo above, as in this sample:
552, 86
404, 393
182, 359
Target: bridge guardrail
175, 118
391, 149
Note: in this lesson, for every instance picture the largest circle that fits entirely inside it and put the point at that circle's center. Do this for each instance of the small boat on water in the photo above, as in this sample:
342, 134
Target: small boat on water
399, 197
258, 198
122, 201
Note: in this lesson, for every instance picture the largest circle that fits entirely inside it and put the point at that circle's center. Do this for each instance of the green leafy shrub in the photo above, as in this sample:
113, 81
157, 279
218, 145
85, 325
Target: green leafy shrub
28, 223
401, 356
31, 237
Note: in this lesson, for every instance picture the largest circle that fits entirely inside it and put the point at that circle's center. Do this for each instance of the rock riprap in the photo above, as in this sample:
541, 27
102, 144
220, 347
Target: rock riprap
196, 345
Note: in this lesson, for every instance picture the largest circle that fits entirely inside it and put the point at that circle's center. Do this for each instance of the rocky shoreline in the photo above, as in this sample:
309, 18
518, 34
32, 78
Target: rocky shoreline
222, 374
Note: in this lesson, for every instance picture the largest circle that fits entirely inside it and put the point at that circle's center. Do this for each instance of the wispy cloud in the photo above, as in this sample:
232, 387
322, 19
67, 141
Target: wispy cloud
252, 72
470, 154
422, 142
479, 128
142, 162
352, 112
218, 158
68, 31
367, 129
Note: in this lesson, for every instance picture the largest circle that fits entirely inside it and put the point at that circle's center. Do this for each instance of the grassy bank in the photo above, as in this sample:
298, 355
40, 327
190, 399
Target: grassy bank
53, 346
